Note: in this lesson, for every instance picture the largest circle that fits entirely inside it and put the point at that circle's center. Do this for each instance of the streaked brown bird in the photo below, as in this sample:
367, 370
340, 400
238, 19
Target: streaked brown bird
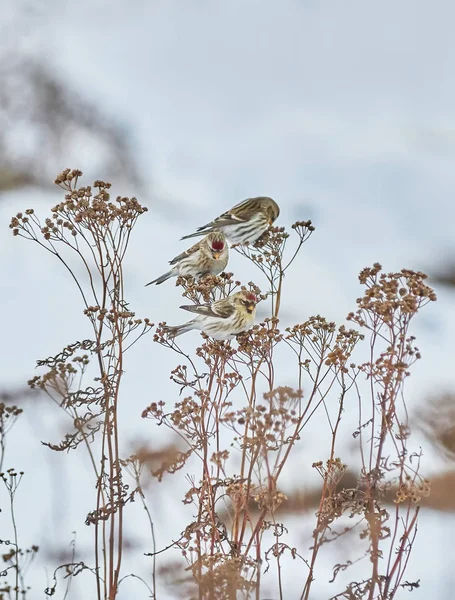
223, 319
209, 256
245, 222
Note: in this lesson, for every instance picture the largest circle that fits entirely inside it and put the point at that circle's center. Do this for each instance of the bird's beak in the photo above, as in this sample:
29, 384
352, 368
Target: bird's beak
270, 221
216, 255
250, 308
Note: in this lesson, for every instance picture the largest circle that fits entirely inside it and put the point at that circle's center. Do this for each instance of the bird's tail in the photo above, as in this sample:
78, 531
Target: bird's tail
159, 280
177, 330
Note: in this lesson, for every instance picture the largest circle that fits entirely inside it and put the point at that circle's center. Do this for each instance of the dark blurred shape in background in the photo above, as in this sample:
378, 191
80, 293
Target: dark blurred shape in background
43, 122
437, 421
45, 125
445, 276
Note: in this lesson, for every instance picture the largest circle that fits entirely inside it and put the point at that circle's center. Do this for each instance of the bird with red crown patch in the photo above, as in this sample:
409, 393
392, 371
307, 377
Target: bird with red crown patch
223, 319
209, 256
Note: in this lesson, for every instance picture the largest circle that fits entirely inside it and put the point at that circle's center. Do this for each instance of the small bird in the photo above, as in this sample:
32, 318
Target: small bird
245, 222
210, 255
223, 319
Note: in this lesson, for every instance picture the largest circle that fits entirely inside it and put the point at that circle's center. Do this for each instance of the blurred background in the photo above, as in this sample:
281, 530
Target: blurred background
343, 112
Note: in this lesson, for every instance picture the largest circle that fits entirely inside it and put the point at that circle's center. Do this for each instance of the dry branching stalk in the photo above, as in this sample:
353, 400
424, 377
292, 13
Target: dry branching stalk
91, 226
235, 418
17, 560
236, 391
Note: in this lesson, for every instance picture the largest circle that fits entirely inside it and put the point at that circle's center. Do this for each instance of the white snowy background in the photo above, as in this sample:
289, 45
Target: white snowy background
344, 112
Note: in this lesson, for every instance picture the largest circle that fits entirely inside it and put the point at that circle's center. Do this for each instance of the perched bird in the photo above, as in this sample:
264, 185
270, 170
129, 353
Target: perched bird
210, 255
246, 222
223, 319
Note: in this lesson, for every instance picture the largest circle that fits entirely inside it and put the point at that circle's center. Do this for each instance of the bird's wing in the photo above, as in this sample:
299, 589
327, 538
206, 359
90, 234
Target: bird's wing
221, 309
185, 254
226, 218
230, 217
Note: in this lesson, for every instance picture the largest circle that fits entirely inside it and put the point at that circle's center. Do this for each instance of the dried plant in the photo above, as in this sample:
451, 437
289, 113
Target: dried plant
385, 311
17, 560
242, 425
236, 423
97, 230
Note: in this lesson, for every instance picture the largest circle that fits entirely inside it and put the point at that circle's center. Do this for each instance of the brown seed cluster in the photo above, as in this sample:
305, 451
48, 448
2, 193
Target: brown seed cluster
9, 414
389, 295
268, 249
82, 212
211, 288
269, 499
413, 490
